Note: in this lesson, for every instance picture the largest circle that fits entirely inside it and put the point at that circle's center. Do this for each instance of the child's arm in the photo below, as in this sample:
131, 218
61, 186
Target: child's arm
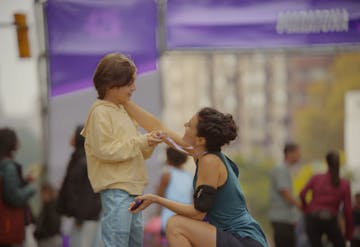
148, 150
150, 123
107, 147
164, 182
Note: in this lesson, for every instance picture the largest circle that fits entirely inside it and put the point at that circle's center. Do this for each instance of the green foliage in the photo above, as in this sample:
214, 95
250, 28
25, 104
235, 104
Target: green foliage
254, 180
320, 124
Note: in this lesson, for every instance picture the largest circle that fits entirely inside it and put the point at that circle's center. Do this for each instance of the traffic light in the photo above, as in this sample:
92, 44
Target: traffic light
22, 35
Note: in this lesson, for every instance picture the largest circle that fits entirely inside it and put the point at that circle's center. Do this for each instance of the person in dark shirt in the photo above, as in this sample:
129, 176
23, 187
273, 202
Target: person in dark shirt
76, 197
329, 192
356, 217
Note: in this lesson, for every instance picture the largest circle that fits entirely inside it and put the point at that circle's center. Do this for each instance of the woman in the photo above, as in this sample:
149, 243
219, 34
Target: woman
329, 192
16, 190
217, 196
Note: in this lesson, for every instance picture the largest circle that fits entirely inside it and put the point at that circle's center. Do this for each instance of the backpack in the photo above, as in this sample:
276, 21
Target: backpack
12, 223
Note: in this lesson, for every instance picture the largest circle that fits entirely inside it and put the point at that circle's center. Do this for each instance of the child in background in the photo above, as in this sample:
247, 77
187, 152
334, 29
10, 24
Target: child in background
47, 231
116, 151
175, 183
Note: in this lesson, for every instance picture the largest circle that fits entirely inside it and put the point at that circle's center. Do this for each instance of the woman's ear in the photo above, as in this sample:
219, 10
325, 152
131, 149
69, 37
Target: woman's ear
200, 141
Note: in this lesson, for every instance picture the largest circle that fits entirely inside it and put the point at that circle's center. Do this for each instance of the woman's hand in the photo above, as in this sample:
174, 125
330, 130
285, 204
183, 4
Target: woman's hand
147, 199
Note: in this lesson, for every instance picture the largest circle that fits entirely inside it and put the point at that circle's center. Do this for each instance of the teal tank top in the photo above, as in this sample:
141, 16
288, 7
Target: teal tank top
229, 212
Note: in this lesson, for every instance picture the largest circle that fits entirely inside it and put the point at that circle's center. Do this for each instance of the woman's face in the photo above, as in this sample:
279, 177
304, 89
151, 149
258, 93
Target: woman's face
190, 135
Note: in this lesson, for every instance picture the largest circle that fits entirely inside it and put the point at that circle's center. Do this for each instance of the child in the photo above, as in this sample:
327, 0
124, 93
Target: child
47, 230
175, 184
115, 151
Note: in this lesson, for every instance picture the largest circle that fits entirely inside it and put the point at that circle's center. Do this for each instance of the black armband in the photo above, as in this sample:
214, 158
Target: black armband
204, 198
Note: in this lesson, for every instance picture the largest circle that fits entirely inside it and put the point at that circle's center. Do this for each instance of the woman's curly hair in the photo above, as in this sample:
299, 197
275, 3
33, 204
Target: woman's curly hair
217, 128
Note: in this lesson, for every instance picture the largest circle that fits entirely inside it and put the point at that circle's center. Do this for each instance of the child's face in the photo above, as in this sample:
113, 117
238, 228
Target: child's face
123, 94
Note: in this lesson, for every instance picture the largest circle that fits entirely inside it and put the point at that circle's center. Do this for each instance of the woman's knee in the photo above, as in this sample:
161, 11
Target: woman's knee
175, 224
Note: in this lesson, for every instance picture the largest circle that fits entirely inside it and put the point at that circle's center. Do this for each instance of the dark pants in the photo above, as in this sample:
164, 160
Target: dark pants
227, 239
284, 234
316, 227
355, 243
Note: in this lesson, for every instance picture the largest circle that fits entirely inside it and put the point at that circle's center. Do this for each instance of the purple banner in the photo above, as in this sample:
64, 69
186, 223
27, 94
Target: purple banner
208, 24
80, 32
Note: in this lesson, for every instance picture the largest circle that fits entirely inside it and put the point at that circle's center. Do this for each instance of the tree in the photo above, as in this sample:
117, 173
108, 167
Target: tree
320, 124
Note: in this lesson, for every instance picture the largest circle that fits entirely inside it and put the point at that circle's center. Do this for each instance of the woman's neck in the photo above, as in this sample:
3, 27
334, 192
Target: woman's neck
199, 152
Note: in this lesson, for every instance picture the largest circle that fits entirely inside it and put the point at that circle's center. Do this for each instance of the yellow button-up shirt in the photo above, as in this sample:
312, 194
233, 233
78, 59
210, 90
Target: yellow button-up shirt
115, 149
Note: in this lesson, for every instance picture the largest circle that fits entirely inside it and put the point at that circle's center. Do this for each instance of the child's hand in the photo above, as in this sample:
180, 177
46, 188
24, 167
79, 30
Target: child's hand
159, 134
154, 138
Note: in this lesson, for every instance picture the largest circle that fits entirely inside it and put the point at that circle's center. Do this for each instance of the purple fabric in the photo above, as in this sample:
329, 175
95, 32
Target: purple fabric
65, 241
80, 32
209, 24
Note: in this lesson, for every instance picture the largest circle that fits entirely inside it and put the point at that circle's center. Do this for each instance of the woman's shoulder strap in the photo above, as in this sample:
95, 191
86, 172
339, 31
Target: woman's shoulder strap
228, 161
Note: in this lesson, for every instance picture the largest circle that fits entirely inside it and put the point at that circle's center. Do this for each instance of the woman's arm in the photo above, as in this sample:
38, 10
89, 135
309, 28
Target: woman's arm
208, 174
187, 210
149, 122
303, 193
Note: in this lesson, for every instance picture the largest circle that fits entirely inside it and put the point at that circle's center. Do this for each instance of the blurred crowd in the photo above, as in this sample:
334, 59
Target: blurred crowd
101, 198
323, 214
68, 217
